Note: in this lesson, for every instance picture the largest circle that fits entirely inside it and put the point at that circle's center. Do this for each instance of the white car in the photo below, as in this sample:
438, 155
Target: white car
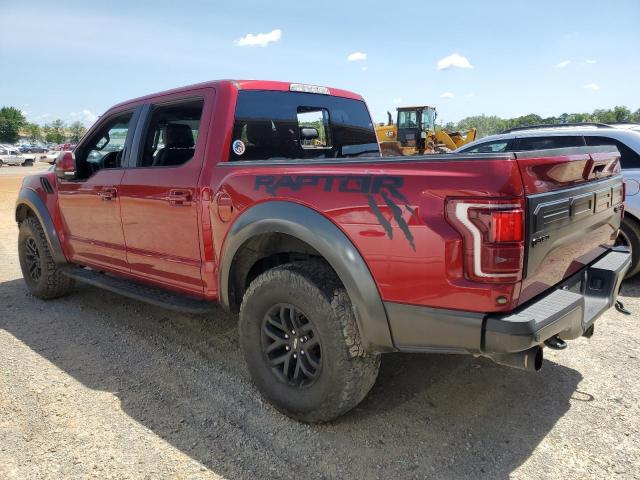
50, 157
625, 136
12, 156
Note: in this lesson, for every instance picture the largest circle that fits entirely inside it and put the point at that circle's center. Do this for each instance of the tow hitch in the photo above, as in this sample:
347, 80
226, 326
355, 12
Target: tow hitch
555, 343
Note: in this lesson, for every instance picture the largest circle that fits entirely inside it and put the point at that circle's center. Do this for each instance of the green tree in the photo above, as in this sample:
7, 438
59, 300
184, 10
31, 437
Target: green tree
635, 117
54, 132
34, 132
77, 130
11, 121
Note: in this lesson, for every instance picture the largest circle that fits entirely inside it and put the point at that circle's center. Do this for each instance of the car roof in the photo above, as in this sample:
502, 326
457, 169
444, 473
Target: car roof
626, 133
240, 85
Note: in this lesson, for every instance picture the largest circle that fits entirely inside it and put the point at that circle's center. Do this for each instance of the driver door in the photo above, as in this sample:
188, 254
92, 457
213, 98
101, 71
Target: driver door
89, 203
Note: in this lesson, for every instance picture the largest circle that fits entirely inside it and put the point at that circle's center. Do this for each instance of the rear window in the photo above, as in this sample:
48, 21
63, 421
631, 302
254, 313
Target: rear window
547, 143
628, 158
286, 125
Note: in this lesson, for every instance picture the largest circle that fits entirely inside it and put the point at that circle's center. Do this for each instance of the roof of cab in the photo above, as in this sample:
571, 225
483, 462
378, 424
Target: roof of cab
240, 85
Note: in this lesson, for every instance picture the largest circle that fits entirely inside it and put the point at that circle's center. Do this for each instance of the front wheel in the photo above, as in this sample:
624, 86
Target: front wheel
41, 274
301, 342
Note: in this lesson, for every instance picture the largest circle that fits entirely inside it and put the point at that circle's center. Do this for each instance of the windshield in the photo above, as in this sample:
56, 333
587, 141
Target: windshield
289, 125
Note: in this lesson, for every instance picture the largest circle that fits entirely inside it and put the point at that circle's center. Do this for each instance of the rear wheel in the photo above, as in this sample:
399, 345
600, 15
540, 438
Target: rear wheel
27, 163
629, 236
41, 273
301, 342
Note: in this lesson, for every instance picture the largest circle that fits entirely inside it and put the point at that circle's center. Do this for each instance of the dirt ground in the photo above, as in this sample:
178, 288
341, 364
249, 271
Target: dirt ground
95, 385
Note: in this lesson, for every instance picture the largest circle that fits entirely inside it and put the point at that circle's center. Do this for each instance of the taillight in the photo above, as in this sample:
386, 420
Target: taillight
493, 237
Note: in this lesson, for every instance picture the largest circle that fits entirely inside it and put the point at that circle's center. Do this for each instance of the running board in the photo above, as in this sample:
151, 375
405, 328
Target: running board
137, 291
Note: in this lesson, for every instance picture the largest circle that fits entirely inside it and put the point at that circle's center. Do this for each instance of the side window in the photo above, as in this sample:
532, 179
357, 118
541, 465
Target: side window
628, 158
171, 134
105, 147
548, 143
489, 147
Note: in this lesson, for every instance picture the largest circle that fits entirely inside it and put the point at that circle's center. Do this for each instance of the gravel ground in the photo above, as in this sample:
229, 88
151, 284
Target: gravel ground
98, 386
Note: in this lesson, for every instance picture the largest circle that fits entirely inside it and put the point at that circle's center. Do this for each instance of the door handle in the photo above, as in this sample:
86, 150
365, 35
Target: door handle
107, 193
180, 197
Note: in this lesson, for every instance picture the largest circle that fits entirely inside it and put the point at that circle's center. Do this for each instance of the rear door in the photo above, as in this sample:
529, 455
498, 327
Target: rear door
159, 191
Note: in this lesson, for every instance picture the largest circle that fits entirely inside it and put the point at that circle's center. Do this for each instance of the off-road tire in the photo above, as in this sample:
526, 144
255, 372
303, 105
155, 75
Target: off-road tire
27, 163
631, 230
51, 283
347, 372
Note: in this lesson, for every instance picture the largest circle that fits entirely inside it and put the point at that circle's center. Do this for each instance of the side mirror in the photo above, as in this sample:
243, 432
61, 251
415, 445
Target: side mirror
66, 166
309, 133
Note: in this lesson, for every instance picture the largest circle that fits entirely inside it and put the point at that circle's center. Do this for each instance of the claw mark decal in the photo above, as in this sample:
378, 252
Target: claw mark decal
388, 187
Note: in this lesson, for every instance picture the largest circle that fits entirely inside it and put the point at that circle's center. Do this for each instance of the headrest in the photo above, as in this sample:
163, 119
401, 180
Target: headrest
259, 133
178, 135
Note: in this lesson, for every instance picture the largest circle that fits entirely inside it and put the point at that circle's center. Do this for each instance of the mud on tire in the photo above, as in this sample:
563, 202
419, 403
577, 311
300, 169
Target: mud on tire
41, 274
334, 374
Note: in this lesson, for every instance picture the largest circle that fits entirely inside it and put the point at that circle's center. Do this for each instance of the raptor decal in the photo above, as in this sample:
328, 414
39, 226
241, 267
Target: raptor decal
387, 187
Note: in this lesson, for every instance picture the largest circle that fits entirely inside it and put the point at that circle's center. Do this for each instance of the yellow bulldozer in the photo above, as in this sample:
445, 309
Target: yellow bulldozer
415, 133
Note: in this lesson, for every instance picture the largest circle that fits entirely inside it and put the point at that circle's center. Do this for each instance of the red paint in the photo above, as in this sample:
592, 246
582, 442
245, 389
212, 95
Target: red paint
167, 226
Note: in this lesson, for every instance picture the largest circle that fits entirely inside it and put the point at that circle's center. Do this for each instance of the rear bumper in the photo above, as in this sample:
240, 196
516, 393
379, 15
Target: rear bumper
568, 311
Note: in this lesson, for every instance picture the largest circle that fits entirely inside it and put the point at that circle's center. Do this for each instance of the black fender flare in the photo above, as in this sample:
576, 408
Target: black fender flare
31, 199
311, 227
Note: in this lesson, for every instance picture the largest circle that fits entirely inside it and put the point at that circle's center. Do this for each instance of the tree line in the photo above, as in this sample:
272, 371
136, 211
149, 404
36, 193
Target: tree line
492, 124
14, 125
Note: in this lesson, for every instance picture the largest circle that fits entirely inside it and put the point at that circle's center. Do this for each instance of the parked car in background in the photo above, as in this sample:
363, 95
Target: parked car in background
625, 136
28, 148
12, 156
50, 157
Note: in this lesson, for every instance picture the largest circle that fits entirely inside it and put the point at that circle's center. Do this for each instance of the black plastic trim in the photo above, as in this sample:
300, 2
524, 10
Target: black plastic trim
31, 199
320, 233
557, 152
434, 330
448, 157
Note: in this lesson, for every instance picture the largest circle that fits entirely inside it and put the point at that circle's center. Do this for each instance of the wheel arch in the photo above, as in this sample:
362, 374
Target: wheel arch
309, 233
29, 203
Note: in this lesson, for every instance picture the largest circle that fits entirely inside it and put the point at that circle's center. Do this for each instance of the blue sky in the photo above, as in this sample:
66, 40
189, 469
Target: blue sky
74, 59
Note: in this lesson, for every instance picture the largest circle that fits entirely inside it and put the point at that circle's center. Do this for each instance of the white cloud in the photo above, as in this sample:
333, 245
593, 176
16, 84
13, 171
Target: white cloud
85, 116
260, 39
43, 116
446, 95
453, 61
356, 57
563, 63
592, 86
591, 62
397, 100
469, 95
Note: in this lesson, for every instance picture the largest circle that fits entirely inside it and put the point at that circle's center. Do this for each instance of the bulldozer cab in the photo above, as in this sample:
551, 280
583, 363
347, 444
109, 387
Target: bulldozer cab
414, 125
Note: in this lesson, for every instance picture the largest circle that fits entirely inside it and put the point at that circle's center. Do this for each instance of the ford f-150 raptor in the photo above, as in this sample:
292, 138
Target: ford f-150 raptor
272, 199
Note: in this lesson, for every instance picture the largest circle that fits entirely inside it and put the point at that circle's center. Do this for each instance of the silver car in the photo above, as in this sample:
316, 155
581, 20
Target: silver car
11, 156
626, 136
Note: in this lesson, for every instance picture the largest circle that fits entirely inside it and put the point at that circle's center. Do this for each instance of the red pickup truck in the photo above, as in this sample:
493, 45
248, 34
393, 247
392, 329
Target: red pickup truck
272, 199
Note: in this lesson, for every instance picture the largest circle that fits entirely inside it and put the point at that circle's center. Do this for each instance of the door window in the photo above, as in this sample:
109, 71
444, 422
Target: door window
172, 133
547, 143
105, 147
489, 147
628, 158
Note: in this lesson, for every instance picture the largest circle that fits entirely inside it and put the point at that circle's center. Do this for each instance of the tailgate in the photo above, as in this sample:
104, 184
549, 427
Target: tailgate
574, 202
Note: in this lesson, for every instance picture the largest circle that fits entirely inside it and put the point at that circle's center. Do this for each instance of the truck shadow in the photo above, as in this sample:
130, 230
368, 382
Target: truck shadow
183, 378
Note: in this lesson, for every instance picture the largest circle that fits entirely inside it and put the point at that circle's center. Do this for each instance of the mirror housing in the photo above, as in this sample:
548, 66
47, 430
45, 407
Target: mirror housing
66, 166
